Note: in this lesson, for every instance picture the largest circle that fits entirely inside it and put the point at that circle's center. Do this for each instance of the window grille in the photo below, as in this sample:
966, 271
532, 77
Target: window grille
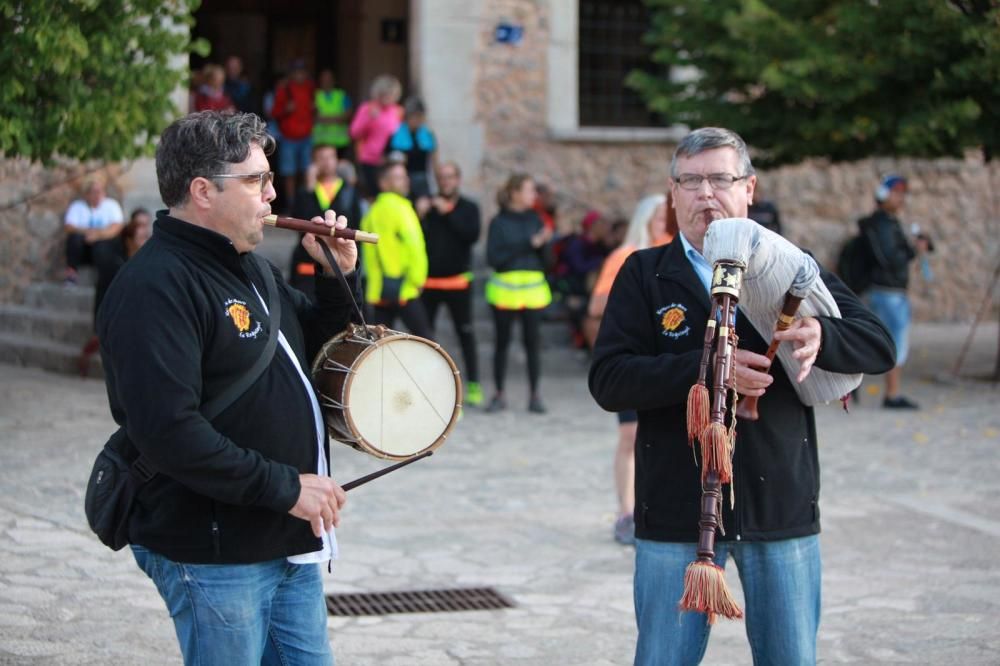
611, 43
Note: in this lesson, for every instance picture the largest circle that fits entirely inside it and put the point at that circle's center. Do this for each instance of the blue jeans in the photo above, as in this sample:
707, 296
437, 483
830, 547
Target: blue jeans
781, 586
294, 156
893, 308
243, 614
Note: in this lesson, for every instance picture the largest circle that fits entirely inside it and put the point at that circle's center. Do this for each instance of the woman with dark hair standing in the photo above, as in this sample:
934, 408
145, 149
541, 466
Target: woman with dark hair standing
517, 289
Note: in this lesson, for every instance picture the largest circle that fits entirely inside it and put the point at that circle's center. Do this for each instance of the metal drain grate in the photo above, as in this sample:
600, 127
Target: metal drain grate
419, 601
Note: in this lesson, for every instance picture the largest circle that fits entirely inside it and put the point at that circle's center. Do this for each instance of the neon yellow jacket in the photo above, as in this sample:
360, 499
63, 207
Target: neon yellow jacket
400, 253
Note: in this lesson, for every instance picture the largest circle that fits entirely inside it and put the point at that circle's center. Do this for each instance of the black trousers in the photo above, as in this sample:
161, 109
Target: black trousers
412, 314
459, 304
107, 256
531, 327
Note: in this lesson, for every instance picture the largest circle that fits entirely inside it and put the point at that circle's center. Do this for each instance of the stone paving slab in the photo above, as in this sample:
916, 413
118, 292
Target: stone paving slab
911, 518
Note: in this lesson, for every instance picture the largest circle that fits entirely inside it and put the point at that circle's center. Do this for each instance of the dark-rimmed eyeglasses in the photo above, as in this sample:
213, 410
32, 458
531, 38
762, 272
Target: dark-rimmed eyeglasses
718, 181
264, 178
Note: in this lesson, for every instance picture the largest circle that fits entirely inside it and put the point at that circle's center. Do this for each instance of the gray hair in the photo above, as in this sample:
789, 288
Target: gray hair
386, 84
709, 138
203, 144
638, 228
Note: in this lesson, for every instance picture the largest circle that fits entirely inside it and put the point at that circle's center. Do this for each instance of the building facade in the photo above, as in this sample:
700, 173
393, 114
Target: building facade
536, 86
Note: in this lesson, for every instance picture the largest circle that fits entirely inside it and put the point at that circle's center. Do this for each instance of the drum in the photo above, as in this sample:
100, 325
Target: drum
386, 393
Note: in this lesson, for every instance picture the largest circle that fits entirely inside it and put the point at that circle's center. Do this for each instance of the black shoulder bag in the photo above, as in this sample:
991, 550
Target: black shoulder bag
114, 483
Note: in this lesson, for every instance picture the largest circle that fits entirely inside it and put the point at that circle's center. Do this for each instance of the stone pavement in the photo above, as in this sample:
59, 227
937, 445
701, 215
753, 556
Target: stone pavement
525, 503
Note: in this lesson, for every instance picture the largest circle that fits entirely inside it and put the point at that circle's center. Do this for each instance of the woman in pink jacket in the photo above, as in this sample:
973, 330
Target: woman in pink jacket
374, 124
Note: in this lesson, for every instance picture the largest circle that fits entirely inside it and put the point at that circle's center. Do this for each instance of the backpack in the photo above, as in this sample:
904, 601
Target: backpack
855, 263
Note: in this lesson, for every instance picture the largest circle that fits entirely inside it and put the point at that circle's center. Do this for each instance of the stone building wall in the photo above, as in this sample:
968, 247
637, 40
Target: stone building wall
33, 201
511, 102
955, 201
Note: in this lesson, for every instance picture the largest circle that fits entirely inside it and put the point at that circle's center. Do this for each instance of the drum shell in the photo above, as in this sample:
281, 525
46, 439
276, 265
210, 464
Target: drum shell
337, 366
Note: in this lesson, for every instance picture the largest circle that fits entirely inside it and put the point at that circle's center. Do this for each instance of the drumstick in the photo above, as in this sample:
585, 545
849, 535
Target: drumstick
391, 468
320, 229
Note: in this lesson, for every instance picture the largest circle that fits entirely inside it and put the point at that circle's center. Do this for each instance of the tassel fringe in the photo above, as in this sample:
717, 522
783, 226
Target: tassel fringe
705, 591
697, 411
716, 452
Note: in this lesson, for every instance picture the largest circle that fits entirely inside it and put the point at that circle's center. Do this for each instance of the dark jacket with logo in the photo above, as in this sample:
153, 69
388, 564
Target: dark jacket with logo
646, 358
890, 249
180, 323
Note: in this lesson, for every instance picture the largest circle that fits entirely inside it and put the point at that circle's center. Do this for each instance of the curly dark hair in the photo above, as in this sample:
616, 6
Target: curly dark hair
205, 143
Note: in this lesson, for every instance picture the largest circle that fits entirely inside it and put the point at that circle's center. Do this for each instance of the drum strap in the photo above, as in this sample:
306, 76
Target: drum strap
343, 282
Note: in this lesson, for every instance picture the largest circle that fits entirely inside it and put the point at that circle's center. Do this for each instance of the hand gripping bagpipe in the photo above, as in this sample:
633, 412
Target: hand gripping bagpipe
771, 280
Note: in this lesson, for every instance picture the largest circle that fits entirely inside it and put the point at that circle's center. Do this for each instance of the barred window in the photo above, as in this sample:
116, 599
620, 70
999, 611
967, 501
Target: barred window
611, 46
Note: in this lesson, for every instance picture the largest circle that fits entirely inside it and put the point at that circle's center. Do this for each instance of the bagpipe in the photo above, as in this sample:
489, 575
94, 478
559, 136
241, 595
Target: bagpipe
772, 281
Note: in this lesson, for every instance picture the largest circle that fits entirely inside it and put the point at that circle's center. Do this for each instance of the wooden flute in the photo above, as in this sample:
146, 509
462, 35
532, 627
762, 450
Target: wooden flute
305, 226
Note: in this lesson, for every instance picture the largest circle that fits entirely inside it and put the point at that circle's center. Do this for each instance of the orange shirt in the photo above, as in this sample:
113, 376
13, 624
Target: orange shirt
613, 264
609, 271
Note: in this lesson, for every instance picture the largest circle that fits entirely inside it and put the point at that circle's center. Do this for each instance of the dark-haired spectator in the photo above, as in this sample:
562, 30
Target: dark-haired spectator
210, 94
451, 228
236, 87
325, 190
133, 236
764, 211
580, 260
333, 113
396, 267
545, 206
293, 109
418, 146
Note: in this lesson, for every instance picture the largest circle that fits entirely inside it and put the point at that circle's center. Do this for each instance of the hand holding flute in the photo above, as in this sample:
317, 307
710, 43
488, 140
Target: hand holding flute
313, 227
337, 236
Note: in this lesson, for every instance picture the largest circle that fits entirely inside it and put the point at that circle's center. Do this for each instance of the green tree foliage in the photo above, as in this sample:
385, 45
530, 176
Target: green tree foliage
837, 78
90, 79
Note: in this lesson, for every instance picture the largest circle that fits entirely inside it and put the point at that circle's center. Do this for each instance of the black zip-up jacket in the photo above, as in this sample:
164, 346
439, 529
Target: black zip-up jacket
648, 362
180, 323
449, 238
892, 252
508, 242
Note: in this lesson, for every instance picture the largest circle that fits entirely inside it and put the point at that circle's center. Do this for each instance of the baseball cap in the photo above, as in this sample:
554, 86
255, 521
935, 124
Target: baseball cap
889, 183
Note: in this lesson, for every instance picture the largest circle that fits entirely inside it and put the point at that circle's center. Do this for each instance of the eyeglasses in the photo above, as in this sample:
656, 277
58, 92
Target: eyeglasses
718, 181
264, 177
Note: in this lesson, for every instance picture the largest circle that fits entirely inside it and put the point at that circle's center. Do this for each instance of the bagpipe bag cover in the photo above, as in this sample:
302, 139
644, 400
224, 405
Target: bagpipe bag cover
774, 266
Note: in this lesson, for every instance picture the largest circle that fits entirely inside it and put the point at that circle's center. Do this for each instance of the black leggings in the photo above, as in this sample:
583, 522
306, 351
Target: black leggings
531, 325
459, 304
107, 256
412, 314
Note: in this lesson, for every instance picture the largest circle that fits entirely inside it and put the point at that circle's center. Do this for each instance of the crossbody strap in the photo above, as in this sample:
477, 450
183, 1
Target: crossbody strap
140, 469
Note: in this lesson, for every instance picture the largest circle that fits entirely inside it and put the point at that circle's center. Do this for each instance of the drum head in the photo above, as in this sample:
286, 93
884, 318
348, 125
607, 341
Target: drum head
403, 396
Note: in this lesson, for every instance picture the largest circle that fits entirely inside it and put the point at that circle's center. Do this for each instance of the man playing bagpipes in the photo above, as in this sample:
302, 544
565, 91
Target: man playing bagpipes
733, 486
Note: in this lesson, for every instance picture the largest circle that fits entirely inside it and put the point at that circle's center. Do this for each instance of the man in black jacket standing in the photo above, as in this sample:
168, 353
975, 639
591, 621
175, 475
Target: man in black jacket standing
890, 277
647, 361
232, 527
451, 225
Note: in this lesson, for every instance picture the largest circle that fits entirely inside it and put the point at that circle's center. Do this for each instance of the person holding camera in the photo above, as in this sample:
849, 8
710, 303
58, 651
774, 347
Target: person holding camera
890, 276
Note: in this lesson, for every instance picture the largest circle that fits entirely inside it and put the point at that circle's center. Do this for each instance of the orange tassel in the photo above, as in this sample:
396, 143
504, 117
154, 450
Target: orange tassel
716, 453
697, 411
705, 591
